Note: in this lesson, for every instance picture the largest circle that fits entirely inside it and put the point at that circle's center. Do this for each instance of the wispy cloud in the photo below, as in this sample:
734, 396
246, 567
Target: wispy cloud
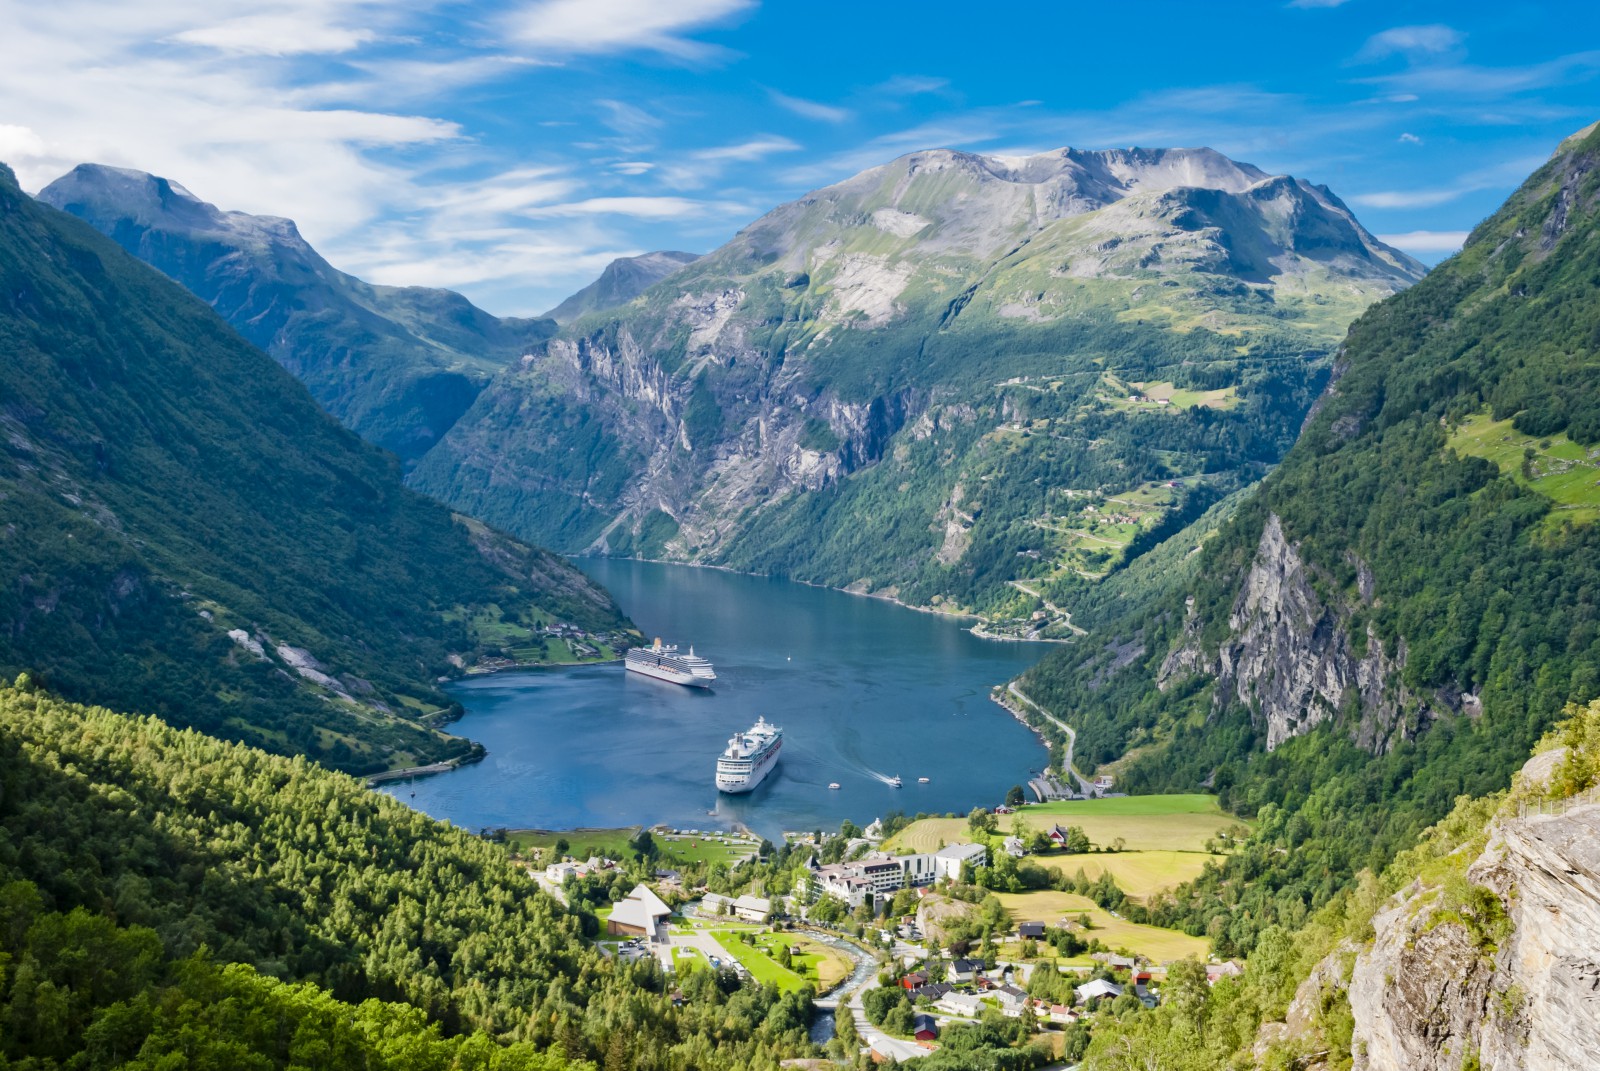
1410, 41
1317, 3
276, 35
1479, 82
809, 109
1502, 174
745, 151
599, 26
1426, 241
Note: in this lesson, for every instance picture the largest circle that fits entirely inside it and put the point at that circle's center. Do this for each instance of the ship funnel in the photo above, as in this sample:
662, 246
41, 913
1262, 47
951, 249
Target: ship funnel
658, 643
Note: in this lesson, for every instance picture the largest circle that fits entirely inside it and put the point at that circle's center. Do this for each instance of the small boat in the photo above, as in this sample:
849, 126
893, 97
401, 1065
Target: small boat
922, 780
894, 782
833, 784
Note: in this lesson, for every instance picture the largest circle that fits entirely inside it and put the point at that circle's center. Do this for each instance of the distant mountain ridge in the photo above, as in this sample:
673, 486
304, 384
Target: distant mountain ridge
622, 280
396, 364
828, 394
183, 532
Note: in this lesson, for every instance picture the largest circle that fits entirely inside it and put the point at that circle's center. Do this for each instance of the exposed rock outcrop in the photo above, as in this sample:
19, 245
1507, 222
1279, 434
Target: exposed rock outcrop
1432, 992
1291, 658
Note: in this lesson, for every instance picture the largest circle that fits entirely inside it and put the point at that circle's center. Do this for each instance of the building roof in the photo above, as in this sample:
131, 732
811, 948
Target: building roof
1030, 929
753, 903
961, 851
1098, 988
642, 909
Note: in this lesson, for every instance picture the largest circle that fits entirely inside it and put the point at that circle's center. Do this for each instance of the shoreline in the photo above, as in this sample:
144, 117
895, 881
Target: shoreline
489, 671
959, 615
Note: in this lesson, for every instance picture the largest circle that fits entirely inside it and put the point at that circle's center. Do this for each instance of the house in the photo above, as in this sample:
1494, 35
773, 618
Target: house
1033, 930
753, 908
948, 859
1012, 1000
716, 904
1104, 782
1061, 1013
963, 970
924, 1028
874, 832
933, 991
1057, 835
968, 1004
558, 873
640, 915
1215, 972
1147, 998
1015, 848
1096, 989
914, 980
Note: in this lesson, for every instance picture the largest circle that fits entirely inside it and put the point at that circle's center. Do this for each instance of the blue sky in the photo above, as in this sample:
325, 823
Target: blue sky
509, 150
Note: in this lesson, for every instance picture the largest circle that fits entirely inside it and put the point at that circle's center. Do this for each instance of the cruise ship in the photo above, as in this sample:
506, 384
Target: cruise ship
749, 757
664, 663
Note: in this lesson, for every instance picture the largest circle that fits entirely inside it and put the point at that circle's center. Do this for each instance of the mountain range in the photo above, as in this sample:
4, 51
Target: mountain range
915, 382
183, 531
622, 280
398, 365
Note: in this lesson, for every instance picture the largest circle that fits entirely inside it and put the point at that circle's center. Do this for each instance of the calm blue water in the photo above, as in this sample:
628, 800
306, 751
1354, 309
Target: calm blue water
863, 690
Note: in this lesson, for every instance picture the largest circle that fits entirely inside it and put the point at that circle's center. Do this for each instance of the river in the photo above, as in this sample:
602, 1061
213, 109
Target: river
863, 689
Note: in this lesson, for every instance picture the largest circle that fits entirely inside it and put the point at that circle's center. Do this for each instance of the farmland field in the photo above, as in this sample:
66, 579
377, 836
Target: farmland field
1053, 908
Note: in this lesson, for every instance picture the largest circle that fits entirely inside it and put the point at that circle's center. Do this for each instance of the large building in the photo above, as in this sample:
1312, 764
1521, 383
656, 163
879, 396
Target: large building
642, 914
878, 873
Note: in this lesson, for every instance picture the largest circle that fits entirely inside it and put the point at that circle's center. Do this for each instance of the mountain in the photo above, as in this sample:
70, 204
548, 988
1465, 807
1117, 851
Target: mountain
171, 900
623, 280
184, 533
399, 365
1410, 599
978, 383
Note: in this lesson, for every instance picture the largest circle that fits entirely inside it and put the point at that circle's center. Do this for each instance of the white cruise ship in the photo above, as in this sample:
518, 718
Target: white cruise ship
666, 664
749, 757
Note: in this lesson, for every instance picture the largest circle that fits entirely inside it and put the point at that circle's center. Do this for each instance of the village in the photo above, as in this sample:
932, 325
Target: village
901, 943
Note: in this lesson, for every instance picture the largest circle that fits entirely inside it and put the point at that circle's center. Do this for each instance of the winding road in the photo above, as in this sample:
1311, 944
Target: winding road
1084, 784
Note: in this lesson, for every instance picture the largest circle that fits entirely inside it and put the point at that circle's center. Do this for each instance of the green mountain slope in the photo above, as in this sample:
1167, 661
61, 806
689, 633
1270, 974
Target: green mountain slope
623, 280
1411, 598
980, 382
184, 532
137, 860
397, 364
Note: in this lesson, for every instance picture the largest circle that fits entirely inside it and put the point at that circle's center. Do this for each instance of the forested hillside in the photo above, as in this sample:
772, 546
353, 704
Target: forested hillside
1409, 601
399, 365
138, 861
183, 532
982, 383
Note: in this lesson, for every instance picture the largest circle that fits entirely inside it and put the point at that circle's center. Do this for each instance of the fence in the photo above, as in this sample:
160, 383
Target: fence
1561, 806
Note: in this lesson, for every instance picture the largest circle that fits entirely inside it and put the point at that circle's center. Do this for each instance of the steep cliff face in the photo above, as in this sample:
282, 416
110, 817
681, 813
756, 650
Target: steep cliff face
1292, 658
1051, 332
1510, 978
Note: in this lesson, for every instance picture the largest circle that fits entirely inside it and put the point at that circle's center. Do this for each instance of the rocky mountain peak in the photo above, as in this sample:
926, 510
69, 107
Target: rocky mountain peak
103, 195
622, 280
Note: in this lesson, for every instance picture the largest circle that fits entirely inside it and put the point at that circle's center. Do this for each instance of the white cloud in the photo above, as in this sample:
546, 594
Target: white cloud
1504, 173
647, 208
599, 26
747, 151
1409, 139
1409, 41
809, 109
275, 35
1426, 241
1317, 3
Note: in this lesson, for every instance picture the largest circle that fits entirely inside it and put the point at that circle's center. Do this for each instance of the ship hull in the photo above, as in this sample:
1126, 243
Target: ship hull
739, 784
672, 676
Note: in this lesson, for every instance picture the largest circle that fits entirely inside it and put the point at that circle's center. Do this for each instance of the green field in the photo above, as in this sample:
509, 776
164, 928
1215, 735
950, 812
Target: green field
1136, 873
1171, 823
1560, 469
613, 843
759, 959
1058, 908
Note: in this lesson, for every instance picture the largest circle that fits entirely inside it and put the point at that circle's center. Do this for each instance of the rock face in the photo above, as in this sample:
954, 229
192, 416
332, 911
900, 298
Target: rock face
1290, 657
931, 313
623, 280
398, 365
1430, 993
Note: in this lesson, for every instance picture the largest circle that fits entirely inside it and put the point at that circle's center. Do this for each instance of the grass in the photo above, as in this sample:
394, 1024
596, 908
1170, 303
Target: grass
1563, 471
613, 843
1173, 823
1138, 874
759, 962
1052, 908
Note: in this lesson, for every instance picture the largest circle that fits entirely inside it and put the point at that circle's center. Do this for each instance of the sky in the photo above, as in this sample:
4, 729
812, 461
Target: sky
510, 150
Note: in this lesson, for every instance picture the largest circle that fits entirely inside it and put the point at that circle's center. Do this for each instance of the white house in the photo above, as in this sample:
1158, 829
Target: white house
948, 859
1015, 848
558, 873
960, 1004
716, 904
1097, 988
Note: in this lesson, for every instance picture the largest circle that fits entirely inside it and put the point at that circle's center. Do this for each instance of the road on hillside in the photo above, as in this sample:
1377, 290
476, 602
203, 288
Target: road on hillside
1088, 789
